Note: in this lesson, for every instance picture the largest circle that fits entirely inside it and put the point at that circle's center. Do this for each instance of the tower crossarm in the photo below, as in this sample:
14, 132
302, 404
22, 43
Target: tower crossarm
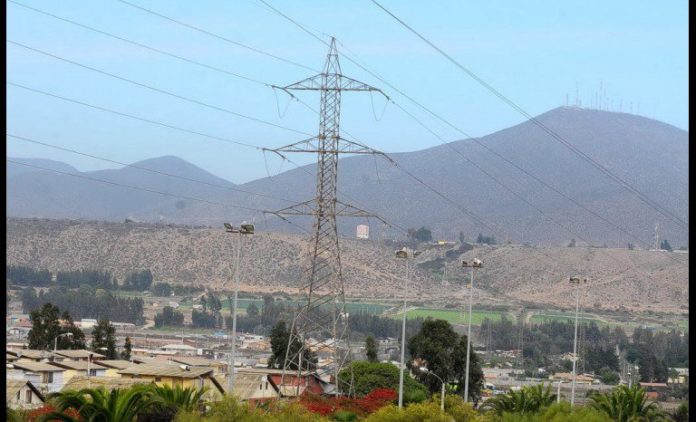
314, 144
318, 83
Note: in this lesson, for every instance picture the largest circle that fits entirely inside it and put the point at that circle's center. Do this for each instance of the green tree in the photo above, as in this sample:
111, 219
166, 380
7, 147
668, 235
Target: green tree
529, 399
443, 352
280, 337
625, 404
46, 327
127, 348
167, 401
252, 310
368, 376
104, 337
609, 376
665, 245
371, 349
681, 413
572, 243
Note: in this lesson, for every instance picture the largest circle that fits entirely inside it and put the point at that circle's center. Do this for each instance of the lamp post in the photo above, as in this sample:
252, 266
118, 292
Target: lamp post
55, 341
558, 393
576, 280
442, 392
244, 229
475, 263
404, 253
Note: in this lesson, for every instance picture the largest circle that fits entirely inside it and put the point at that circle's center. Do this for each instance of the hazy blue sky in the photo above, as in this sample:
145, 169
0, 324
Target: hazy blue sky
534, 52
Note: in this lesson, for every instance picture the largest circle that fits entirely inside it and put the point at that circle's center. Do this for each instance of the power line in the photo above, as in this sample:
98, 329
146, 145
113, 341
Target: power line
203, 31
109, 182
166, 125
161, 91
157, 50
73, 151
459, 207
476, 140
545, 128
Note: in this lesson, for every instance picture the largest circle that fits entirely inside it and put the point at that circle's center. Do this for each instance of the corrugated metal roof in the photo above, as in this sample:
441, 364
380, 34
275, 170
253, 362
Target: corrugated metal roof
14, 385
195, 361
78, 365
79, 353
114, 363
79, 382
30, 353
37, 367
166, 370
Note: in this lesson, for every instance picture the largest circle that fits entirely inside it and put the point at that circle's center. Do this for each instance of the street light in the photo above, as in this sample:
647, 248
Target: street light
442, 393
577, 281
55, 342
558, 393
475, 263
404, 253
244, 229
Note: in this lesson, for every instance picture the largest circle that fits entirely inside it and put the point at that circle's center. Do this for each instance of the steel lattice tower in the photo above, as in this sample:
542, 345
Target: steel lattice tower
323, 314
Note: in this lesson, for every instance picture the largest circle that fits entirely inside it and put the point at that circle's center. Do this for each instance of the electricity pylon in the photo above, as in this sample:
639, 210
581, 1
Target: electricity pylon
323, 313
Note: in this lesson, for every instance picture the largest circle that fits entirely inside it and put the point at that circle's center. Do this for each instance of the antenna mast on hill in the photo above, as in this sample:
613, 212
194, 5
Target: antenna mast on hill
323, 312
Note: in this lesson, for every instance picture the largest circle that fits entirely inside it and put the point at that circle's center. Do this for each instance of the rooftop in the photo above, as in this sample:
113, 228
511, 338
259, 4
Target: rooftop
114, 363
109, 383
36, 367
14, 385
30, 353
79, 354
166, 370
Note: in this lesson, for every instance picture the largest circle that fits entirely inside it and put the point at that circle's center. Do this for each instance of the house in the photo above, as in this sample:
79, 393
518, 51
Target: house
23, 394
79, 354
183, 349
109, 383
79, 367
30, 355
87, 323
653, 389
251, 387
173, 375
218, 366
10, 358
682, 376
112, 366
291, 384
568, 377
46, 377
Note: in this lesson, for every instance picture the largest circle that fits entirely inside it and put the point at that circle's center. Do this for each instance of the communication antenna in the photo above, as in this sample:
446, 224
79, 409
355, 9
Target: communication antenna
577, 95
322, 313
657, 236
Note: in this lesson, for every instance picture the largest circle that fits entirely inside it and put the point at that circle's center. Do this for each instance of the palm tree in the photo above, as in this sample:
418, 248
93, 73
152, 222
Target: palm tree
625, 404
187, 399
100, 405
530, 399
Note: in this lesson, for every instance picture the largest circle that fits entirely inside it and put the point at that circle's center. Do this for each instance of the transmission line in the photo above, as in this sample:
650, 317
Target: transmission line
161, 91
109, 160
203, 31
476, 140
545, 128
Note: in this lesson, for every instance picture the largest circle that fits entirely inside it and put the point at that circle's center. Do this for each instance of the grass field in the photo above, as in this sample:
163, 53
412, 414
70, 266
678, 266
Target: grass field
538, 318
454, 316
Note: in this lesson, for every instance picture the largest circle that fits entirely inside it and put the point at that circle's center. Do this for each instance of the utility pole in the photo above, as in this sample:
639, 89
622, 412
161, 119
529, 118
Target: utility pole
576, 280
476, 263
322, 280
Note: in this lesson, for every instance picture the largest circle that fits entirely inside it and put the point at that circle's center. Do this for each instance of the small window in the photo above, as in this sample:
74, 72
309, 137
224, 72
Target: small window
29, 396
158, 379
18, 392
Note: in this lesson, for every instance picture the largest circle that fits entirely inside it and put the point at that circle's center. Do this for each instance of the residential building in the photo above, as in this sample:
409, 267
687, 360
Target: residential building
79, 367
79, 354
109, 383
112, 366
46, 377
173, 375
23, 394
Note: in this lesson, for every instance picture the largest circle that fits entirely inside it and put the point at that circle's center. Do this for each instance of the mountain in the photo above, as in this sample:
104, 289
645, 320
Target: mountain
51, 195
621, 279
650, 155
32, 165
